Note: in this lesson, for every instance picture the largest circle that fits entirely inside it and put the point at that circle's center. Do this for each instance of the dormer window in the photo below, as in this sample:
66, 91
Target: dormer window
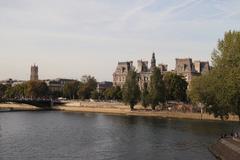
123, 69
185, 67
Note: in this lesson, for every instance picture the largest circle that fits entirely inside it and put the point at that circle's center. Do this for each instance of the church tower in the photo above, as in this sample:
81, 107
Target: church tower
153, 62
34, 73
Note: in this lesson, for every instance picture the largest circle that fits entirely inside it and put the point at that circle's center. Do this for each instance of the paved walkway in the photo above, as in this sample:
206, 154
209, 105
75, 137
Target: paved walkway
226, 149
233, 144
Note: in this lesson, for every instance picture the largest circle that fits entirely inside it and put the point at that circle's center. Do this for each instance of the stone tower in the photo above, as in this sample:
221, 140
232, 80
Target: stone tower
153, 62
34, 73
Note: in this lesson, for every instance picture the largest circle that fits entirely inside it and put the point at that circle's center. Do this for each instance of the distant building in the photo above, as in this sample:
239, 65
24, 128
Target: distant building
11, 82
184, 66
201, 66
18, 82
163, 67
57, 85
189, 69
101, 86
144, 72
34, 73
7, 82
120, 74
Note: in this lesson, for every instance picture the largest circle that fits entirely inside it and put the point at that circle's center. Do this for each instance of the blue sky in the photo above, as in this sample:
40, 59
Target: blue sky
70, 38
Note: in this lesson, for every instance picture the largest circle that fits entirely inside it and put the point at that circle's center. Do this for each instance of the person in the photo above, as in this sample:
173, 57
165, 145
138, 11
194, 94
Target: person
225, 135
237, 135
232, 133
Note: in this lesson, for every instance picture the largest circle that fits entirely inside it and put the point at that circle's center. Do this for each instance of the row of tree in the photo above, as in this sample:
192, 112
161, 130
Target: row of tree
219, 90
39, 89
174, 85
80, 89
160, 89
84, 89
30, 89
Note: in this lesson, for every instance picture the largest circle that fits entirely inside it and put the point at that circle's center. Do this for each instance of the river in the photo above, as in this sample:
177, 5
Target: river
87, 136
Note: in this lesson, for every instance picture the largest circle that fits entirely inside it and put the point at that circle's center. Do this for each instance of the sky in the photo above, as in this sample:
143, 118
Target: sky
71, 38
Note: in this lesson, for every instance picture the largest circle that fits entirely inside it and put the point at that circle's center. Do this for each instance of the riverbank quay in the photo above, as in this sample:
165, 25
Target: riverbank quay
226, 149
121, 109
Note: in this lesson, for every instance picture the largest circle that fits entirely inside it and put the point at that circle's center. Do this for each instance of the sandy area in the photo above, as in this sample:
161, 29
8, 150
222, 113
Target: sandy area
17, 107
113, 108
119, 108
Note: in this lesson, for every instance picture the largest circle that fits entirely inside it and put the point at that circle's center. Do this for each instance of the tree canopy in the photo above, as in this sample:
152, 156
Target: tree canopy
145, 96
70, 89
219, 90
87, 86
36, 89
3, 89
131, 91
176, 87
113, 93
157, 88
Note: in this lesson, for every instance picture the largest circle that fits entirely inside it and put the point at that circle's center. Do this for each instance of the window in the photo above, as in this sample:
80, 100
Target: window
123, 69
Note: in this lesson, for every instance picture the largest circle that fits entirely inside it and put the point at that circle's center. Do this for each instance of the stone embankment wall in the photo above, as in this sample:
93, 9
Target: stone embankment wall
226, 149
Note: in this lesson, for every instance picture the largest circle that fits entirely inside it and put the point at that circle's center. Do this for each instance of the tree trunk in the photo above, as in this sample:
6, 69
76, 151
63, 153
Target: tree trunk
131, 107
153, 107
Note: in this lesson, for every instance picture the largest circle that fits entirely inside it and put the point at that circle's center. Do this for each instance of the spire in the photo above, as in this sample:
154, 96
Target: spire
153, 61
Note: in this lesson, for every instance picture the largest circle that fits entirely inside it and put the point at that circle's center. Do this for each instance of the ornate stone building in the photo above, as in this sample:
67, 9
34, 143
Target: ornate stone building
185, 67
144, 72
119, 76
34, 73
189, 69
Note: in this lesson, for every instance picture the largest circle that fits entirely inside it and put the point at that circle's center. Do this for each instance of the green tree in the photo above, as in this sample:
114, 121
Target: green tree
37, 89
3, 89
113, 93
88, 85
145, 96
176, 87
157, 89
108, 93
117, 94
17, 91
56, 94
95, 95
219, 89
70, 89
131, 91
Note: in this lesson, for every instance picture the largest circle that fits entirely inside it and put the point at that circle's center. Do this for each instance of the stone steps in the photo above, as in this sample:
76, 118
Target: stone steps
226, 149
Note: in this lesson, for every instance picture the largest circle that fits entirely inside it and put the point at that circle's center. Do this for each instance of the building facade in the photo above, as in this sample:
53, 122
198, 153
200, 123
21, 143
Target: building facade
184, 66
187, 68
120, 74
144, 72
57, 85
12, 82
34, 73
101, 86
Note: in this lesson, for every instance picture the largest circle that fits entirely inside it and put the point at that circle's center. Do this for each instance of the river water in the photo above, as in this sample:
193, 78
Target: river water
87, 136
